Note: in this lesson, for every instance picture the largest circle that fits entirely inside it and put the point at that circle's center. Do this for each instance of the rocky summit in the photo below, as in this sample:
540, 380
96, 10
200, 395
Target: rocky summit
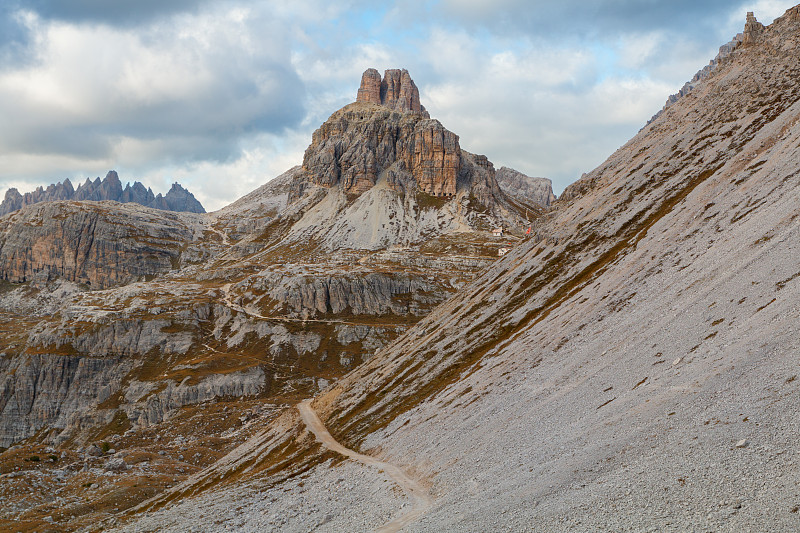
343, 349
396, 91
387, 134
110, 188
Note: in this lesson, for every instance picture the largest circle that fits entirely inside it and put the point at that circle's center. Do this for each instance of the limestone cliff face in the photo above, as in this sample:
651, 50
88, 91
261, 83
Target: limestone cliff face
357, 143
94, 243
352, 293
56, 391
436, 160
515, 183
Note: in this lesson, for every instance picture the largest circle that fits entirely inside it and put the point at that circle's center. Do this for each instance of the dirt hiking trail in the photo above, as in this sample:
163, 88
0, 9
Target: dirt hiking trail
415, 491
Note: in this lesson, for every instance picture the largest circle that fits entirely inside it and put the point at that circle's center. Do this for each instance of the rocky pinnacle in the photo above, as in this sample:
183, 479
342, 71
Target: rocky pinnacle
396, 91
752, 29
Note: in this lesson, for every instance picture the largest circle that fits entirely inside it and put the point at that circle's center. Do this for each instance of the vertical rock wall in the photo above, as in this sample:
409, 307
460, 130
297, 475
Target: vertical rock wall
436, 159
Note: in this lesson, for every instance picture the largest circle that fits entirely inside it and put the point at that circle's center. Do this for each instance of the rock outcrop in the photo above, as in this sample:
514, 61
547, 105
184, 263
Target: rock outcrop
99, 244
110, 188
387, 136
436, 159
517, 184
56, 391
792, 14
396, 91
752, 29
370, 90
357, 144
351, 293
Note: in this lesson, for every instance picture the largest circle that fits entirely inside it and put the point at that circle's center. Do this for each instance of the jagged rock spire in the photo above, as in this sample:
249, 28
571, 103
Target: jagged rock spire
370, 90
353, 147
752, 29
396, 91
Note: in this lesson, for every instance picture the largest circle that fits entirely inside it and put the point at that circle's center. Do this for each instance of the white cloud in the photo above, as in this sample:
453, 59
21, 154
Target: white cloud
765, 11
218, 184
639, 50
178, 91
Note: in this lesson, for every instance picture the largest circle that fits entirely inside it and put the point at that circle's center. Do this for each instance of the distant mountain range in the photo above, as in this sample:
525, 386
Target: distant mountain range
110, 188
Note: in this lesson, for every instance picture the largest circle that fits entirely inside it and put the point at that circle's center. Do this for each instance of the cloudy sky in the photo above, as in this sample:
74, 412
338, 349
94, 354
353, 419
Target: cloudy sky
223, 95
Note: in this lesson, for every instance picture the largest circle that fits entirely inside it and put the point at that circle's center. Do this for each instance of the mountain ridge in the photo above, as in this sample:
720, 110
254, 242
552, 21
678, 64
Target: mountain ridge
177, 198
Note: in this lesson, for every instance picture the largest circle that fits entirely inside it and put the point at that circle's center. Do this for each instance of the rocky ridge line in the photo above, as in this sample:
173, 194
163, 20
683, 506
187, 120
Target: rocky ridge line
177, 199
752, 30
95, 243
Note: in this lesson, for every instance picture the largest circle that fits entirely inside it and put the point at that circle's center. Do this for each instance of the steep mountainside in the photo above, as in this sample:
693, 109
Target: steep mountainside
633, 369
110, 188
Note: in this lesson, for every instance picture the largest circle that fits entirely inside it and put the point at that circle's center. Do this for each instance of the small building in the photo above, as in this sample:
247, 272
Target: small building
503, 251
498, 232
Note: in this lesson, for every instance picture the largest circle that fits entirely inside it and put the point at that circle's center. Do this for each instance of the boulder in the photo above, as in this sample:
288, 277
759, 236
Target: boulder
115, 464
94, 451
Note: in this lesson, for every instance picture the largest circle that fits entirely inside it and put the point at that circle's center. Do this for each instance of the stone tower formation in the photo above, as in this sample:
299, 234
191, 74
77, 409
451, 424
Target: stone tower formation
752, 29
396, 91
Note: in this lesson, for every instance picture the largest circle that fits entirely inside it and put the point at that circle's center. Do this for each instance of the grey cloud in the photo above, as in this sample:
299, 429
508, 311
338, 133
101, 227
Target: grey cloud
202, 128
591, 19
242, 93
115, 12
73, 141
14, 37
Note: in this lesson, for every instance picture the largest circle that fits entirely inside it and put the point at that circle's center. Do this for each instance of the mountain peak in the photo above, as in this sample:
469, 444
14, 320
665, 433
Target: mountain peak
396, 90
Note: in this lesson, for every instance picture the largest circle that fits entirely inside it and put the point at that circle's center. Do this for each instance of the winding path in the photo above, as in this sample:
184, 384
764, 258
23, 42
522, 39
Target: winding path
422, 501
